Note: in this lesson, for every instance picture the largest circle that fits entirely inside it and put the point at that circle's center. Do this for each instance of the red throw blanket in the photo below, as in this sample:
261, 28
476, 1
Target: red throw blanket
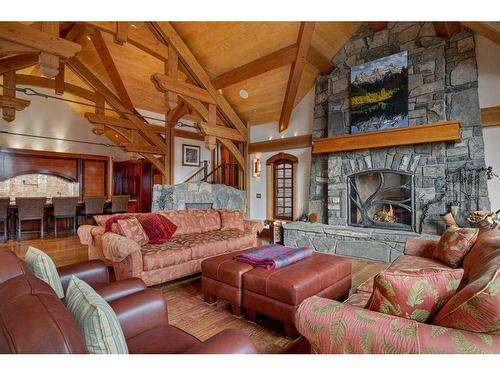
273, 256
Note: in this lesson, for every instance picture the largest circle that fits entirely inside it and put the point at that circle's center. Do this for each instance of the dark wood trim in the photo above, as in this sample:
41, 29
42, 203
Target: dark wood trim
282, 156
290, 143
53, 154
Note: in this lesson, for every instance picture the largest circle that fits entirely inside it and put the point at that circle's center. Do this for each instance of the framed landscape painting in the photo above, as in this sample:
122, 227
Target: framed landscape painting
190, 155
379, 94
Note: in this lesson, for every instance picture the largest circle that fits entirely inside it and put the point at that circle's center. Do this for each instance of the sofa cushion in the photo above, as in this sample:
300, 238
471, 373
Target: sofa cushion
454, 245
476, 307
414, 294
202, 245
157, 256
98, 322
193, 221
132, 229
485, 249
158, 228
165, 339
231, 220
359, 299
44, 268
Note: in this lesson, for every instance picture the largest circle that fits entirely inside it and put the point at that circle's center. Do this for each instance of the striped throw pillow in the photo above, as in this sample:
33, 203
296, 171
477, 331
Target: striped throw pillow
98, 323
44, 268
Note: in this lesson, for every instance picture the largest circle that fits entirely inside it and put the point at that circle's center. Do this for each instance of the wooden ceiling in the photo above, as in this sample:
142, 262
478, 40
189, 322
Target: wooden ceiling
220, 47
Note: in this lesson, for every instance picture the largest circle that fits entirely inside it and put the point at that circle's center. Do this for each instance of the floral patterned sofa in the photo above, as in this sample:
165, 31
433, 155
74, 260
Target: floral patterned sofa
198, 236
468, 323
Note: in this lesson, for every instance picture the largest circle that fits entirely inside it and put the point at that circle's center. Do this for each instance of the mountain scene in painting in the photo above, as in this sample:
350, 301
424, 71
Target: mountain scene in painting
379, 94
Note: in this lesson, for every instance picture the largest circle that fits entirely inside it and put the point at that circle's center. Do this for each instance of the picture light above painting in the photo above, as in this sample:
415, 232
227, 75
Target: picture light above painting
379, 94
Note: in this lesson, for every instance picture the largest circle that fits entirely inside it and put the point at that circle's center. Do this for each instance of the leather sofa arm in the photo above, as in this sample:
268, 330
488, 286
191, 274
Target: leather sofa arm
420, 247
334, 327
229, 341
116, 248
94, 272
120, 289
140, 311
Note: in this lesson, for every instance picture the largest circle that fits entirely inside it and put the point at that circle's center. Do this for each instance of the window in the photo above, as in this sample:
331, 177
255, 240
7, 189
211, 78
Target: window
283, 191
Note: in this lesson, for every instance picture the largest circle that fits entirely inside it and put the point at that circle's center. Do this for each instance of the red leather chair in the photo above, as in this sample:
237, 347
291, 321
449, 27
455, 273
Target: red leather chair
34, 320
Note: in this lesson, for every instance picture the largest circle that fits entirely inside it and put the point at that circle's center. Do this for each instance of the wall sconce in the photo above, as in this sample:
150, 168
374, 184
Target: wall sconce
256, 167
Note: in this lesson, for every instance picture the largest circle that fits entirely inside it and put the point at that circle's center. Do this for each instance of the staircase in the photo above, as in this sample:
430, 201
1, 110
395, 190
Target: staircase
224, 174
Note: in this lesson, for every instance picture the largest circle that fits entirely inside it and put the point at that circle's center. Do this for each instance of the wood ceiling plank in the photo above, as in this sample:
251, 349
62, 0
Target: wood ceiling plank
490, 30
319, 61
30, 37
304, 40
166, 32
446, 29
18, 62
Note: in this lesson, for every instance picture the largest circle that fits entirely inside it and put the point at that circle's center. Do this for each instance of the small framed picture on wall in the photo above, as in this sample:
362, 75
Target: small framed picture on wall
190, 155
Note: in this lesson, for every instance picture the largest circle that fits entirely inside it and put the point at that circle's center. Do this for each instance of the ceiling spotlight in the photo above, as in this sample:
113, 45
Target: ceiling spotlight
133, 25
244, 94
88, 37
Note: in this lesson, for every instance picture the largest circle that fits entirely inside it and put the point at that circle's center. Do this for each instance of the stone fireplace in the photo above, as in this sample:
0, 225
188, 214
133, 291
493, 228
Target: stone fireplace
387, 195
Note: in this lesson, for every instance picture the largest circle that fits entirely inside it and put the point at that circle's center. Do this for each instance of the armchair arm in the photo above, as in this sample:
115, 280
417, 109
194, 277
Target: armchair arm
140, 311
86, 233
254, 225
116, 248
94, 272
420, 247
229, 341
120, 289
334, 327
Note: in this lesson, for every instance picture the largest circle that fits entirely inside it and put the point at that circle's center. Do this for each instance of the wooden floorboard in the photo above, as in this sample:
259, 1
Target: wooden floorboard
186, 308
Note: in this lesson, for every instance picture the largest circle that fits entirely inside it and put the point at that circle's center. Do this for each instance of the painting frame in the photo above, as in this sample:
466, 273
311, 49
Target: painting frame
379, 94
191, 155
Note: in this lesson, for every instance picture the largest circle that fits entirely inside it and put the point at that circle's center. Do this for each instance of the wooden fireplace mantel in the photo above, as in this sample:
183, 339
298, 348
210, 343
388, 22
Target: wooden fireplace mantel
436, 132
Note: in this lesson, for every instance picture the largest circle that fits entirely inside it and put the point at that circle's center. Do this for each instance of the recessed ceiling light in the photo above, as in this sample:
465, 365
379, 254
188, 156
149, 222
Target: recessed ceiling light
244, 94
133, 25
88, 37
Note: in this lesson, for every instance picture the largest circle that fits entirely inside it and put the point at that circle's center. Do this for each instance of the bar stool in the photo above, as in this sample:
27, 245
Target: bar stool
31, 208
4, 216
93, 206
64, 208
119, 204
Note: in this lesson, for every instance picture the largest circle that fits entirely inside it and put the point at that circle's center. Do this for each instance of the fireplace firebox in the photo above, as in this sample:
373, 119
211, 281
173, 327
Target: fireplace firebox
381, 199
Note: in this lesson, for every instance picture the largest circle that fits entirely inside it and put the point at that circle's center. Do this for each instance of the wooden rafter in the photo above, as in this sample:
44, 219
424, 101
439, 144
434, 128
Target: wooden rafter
304, 40
319, 61
59, 89
121, 33
240, 159
18, 62
166, 84
172, 71
220, 131
166, 33
30, 37
111, 69
490, 30
10, 48
446, 29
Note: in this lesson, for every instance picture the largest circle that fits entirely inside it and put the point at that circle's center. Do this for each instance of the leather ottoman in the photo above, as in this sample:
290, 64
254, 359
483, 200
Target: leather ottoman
221, 276
278, 293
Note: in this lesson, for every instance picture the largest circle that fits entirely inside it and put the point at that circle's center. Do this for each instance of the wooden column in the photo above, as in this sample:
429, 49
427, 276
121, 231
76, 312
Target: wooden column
49, 63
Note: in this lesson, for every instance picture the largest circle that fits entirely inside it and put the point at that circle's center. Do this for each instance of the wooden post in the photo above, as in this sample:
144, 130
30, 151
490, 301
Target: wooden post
49, 63
99, 129
171, 70
110, 177
9, 80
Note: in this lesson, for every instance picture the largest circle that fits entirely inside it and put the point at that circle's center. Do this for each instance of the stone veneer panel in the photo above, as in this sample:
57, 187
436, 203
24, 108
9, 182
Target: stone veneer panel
175, 197
442, 80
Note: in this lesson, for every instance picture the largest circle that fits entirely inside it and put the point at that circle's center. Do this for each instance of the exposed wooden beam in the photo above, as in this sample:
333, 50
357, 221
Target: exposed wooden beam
319, 61
59, 89
149, 45
220, 131
25, 79
166, 84
490, 30
189, 135
14, 103
49, 62
196, 106
111, 69
8, 101
166, 33
240, 159
446, 29
280, 144
172, 70
377, 26
18, 62
490, 116
282, 57
304, 40
10, 48
30, 37
142, 148
121, 32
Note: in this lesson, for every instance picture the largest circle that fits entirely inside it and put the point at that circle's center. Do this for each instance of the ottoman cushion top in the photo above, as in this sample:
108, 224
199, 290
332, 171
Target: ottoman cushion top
225, 269
294, 283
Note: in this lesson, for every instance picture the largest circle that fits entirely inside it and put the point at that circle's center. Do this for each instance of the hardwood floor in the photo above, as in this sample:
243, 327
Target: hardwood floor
186, 308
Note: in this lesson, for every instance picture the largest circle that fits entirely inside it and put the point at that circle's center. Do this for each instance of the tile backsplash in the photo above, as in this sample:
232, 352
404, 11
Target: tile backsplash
37, 185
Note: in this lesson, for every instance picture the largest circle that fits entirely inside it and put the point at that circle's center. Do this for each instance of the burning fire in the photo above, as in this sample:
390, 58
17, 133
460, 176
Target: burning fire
386, 215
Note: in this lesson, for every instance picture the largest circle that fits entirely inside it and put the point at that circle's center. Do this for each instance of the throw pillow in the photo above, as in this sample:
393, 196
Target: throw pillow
132, 229
414, 294
454, 245
114, 219
44, 268
157, 228
98, 323
231, 220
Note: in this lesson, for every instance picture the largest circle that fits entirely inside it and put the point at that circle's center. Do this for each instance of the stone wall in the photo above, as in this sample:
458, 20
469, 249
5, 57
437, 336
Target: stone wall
442, 85
175, 197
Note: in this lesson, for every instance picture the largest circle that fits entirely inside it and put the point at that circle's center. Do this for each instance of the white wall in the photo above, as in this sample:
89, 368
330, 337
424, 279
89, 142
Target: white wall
488, 61
182, 173
301, 123
53, 118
